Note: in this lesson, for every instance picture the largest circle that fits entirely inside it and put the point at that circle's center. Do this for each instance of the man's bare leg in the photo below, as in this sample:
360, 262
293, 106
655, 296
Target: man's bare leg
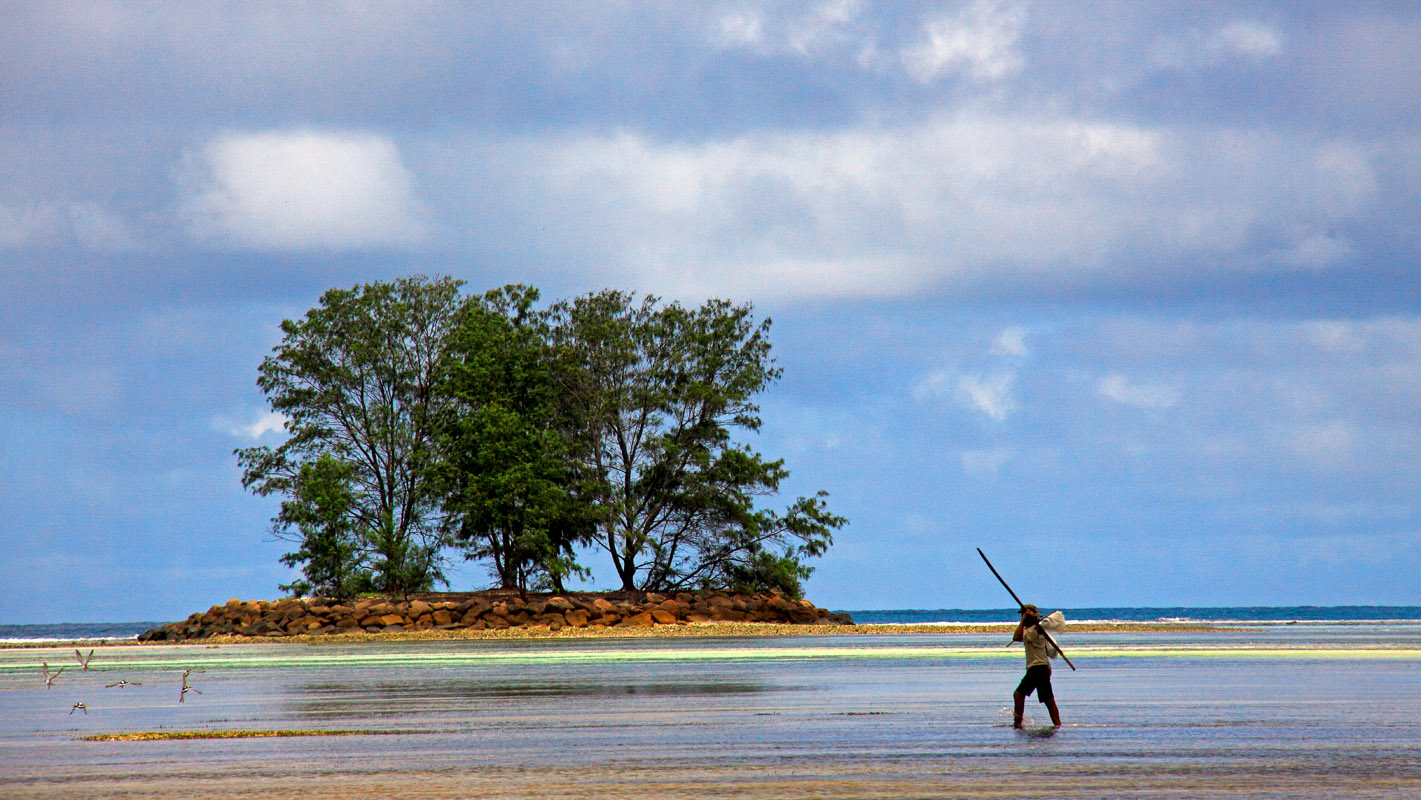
1055, 714
1018, 708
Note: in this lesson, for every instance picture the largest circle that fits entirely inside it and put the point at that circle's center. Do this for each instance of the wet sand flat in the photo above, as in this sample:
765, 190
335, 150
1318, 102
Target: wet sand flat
1276, 713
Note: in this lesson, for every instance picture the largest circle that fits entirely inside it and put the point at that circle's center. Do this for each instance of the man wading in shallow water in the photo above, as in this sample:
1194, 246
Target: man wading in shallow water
1038, 663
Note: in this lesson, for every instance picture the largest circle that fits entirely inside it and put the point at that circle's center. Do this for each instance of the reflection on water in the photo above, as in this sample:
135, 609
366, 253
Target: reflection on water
1296, 711
445, 691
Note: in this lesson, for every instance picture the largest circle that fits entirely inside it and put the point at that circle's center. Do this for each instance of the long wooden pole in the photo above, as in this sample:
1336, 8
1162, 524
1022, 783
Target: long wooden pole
1021, 605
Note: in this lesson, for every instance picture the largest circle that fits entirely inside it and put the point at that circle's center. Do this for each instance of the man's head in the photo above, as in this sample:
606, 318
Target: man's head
1030, 611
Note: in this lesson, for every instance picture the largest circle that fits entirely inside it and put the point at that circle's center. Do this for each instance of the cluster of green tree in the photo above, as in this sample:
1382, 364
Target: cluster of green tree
423, 423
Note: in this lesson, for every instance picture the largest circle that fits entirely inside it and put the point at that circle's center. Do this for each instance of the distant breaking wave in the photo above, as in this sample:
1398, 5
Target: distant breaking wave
73, 631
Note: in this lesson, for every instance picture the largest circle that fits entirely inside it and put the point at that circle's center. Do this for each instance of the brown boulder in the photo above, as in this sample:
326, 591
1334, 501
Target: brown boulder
675, 607
475, 604
662, 617
576, 617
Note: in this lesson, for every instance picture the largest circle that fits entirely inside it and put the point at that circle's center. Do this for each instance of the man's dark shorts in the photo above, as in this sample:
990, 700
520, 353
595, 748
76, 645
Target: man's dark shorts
1038, 679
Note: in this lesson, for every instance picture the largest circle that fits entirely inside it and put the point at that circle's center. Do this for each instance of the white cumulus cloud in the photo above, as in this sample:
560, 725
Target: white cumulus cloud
1141, 395
267, 422
989, 394
980, 42
1247, 38
808, 32
741, 28
966, 200
303, 189
1315, 252
1011, 342
23, 223
46, 223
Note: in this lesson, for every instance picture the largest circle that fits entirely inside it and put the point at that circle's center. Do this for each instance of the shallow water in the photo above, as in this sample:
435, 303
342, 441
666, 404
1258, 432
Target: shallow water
1295, 711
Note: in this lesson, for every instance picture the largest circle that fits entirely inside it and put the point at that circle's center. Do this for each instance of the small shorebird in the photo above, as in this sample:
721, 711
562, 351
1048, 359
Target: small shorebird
83, 659
79, 707
122, 684
49, 678
183, 694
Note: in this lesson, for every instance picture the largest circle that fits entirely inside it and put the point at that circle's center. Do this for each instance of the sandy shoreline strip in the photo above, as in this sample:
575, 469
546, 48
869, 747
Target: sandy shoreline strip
685, 630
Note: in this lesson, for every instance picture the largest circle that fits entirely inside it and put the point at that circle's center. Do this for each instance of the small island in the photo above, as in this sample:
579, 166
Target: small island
424, 426
488, 611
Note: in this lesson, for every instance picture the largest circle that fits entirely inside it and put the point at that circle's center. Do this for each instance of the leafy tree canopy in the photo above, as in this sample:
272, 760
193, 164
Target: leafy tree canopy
656, 391
356, 381
513, 493
418, 419
318, 516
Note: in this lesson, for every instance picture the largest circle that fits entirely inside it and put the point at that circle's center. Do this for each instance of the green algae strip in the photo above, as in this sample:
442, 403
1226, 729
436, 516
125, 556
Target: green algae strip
160, 736
390, 657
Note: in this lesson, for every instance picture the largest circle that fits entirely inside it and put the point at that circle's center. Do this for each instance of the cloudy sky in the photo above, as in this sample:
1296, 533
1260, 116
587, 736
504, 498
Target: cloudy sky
1124, 293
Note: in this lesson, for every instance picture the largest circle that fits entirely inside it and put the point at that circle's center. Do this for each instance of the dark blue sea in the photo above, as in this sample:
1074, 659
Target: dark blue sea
115, 631
74, 631
1223, 615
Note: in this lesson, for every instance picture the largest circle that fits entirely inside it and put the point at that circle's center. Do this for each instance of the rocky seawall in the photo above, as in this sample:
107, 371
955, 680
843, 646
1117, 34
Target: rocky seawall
486, 611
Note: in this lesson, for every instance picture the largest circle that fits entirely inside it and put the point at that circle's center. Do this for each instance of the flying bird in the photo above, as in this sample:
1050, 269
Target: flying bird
48, 678
122, 684
183, 694
83, 659
79, 707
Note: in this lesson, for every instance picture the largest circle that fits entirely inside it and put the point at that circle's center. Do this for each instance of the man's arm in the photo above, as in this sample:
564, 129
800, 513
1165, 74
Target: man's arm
1020, 629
